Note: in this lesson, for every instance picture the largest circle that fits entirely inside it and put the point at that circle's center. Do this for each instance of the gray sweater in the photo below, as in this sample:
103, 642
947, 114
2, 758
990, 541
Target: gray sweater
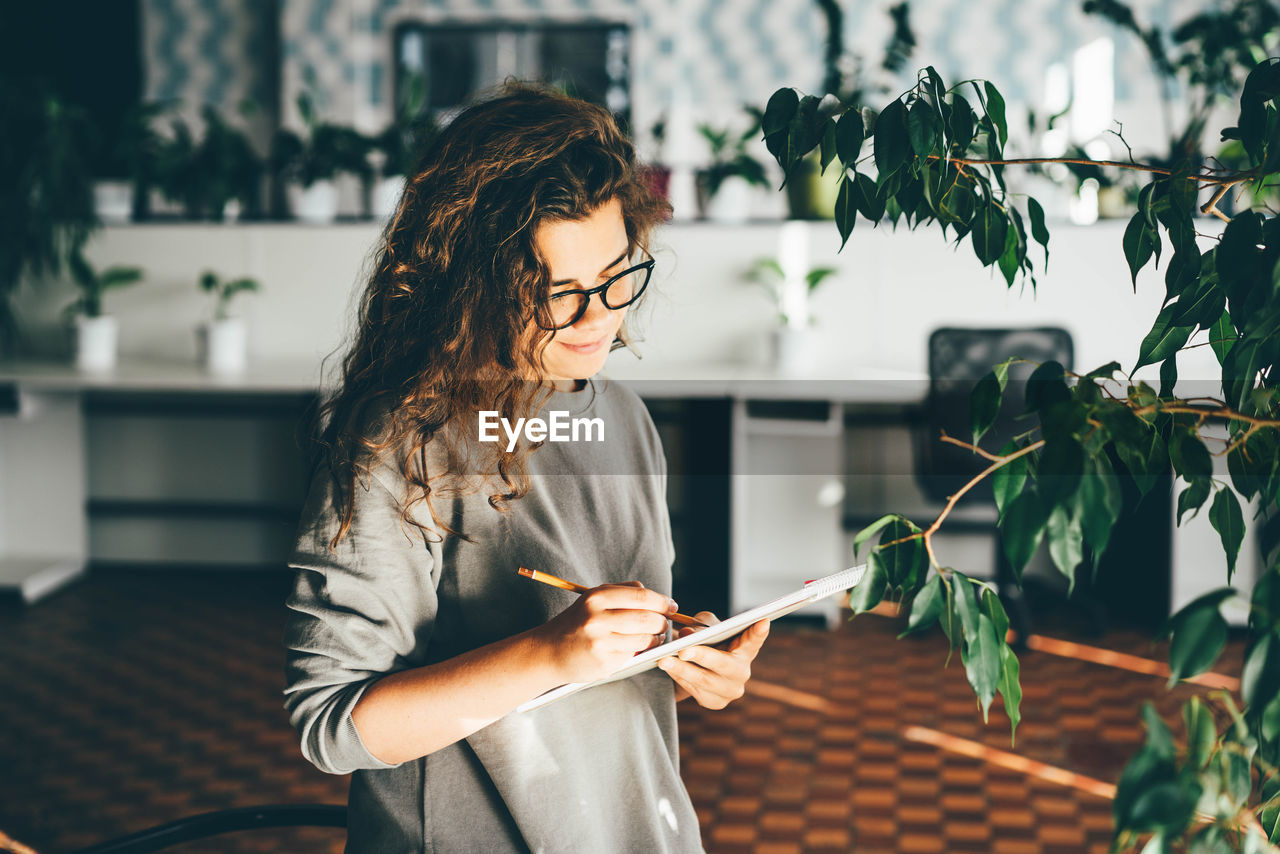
594, 772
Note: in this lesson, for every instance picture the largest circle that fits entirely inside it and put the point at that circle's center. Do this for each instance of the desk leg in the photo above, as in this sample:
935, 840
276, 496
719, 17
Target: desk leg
43, 525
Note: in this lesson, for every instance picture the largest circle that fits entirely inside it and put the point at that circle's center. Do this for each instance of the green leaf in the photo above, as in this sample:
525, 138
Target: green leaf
846, 209
1038, 230
867, 198
1021, 528
960, 123
927, 606
922, 128
1159, 739
115, 277
1168, 376
948, 620
1099, 502
1193, 497
1190, 457
984, 400
871, 530
907, 561
1015, 251
1199, 634
1060, 469
1252, 463
1066, 544
1240, 370
1046, 386
995, 109
1201, 304
1163, 340
1140, 240
987, 231
981, 657
991, 605
1010, 688
779, 111
849, 136
1008, 480
1222, 337
890, 140
1202, 733
870, 590
1228, 521
827, 149
964, 602
1260, 676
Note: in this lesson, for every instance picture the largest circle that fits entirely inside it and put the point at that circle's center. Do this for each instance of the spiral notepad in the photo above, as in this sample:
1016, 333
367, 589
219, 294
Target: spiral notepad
814, 590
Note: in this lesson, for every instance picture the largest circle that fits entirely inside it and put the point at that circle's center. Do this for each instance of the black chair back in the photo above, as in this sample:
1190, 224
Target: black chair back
958, 358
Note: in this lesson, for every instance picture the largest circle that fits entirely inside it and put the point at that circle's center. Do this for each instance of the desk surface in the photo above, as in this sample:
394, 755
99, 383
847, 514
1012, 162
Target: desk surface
649, 379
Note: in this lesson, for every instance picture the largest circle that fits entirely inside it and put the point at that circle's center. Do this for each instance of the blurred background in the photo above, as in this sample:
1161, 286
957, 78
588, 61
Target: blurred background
191, 194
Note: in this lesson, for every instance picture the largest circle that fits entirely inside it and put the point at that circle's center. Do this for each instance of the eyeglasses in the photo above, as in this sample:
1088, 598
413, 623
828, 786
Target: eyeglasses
568, 307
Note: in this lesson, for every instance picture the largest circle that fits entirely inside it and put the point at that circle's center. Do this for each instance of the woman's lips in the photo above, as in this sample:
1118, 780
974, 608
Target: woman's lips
585, 349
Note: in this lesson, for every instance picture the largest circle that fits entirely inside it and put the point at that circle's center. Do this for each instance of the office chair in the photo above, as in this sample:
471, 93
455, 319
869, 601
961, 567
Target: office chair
224, 821
958, 358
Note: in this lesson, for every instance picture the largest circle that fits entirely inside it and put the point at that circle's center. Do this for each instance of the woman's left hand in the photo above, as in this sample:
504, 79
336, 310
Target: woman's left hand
715, 677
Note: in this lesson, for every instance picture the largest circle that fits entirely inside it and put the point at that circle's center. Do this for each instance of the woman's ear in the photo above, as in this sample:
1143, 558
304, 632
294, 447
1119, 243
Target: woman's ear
621, 339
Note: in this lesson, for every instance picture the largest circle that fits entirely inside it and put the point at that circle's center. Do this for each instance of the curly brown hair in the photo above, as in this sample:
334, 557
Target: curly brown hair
449, 320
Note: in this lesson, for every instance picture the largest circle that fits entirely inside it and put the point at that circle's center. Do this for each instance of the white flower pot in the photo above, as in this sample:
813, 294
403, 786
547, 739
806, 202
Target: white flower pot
795, 350
113, 201
732, 201
96, 340
386, 196
316, 204
223, 345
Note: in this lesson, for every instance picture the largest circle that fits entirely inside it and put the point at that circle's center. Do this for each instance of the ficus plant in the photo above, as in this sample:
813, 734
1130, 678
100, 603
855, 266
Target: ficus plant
934, 155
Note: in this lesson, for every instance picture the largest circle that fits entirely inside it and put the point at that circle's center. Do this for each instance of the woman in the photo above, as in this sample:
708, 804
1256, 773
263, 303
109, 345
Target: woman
411, 637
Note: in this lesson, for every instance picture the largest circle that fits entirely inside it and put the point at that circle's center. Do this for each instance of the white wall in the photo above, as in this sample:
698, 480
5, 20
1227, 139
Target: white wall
892, 288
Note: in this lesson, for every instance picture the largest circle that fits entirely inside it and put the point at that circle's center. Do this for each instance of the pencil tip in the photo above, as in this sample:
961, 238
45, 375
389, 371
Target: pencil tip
525, 572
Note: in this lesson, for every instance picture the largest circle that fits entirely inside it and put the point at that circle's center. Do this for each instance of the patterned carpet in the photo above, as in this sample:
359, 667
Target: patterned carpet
136, 698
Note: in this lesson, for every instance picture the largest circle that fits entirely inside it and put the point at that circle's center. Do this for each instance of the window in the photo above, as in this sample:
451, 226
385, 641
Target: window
588, 59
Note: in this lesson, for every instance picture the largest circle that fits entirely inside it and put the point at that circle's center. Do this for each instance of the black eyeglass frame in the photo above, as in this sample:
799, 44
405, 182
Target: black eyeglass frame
603, 290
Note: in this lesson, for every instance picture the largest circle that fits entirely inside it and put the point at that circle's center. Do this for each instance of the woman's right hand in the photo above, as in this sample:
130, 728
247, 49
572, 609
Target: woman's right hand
604, 628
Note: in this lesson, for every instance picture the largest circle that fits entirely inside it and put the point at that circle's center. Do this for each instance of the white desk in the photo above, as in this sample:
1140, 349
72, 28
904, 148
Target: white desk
784, 488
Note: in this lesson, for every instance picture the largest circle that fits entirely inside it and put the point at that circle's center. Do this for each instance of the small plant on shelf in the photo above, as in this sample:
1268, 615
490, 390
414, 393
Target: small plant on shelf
96, 333
222, 342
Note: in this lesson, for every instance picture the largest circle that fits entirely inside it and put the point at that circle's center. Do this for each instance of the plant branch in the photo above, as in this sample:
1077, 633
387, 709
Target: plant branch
1228, 181
998, 461
1224, 412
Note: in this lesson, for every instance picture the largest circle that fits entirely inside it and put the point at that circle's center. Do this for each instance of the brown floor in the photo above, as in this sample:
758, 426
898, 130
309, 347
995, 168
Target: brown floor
135, 698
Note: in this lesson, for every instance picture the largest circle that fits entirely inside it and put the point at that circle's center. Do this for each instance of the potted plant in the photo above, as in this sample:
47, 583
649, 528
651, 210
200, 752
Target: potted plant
46, 199
308, 165
398, 149
724, 186
215, 179
813, 185
793, 341
657, 175
222, 342
96, 334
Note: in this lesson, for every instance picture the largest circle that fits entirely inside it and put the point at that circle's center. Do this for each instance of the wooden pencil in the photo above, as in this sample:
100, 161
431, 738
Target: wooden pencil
556, 581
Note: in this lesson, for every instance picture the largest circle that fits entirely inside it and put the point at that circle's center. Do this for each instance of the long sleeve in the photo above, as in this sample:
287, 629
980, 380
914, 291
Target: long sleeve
357, 613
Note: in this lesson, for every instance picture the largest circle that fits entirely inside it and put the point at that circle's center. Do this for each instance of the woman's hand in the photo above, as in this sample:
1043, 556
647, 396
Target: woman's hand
715, 677
605, 628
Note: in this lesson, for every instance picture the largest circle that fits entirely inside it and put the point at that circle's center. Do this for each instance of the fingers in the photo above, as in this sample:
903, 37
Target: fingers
748, 643
712, 689
630, 596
